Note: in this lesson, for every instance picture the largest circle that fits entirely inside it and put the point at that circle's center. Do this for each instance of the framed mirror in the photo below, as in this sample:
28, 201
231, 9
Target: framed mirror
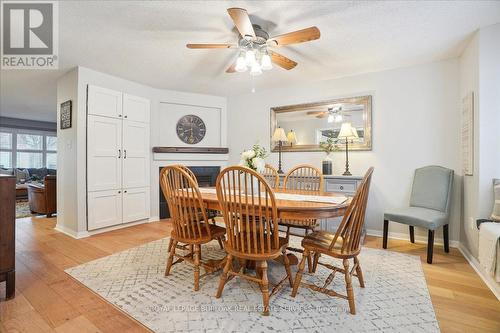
307, 125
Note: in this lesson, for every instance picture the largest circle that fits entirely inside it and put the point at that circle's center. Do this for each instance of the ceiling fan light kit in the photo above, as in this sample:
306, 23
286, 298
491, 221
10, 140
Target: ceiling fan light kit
254, 45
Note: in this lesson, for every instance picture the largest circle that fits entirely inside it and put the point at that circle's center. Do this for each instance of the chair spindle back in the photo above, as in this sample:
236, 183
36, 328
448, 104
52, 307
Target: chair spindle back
271, 175
304, 177
249, 209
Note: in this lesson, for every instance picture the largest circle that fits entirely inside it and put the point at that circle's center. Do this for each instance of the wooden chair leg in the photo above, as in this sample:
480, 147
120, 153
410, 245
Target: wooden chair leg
223, 276
359, 272
446, 239
286, 261
386, 232
315, 262
348, 283
298, 276
197, 255
170, 257
430, 246
264, 287
412, 234
170, 244
310, 267
219, 240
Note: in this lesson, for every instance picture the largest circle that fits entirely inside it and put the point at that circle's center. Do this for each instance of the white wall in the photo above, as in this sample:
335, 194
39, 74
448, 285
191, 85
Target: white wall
480, 73
415, 123
72, 209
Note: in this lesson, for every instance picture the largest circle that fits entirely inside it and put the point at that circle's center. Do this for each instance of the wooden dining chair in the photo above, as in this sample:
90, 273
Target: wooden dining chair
305, 178
211, 214
188, 215
344, 244
249, 209
271, 175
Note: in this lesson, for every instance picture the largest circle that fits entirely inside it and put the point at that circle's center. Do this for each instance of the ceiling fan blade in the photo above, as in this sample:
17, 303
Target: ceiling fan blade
299, 36
242, 21
315, 112
321, 115
210, 46
282, 61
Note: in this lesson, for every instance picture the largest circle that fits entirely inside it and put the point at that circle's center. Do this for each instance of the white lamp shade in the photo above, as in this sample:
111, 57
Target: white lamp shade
256, 70
241, 65
250, 57
266, 62
279, 135
347, 132
292, 138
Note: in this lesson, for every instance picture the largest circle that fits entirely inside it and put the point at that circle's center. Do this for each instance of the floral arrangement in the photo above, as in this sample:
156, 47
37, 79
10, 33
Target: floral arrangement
328, 146
254, 158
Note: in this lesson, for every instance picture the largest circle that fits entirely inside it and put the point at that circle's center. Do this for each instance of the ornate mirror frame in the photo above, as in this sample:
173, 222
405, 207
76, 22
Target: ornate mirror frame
366, 101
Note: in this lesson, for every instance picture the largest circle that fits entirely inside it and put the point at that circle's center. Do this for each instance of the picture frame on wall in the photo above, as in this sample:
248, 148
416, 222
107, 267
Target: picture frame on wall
65, 115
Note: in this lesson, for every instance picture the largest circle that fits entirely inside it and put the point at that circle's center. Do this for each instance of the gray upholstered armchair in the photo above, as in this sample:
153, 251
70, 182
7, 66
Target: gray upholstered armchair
429, 206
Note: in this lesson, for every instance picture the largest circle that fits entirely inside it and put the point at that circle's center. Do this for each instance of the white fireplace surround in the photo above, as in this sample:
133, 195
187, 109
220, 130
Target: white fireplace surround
165, 159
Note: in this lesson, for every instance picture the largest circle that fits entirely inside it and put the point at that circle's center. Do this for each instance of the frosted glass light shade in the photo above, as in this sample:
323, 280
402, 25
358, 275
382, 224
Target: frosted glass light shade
266, 63
250, 57
279, 135
241, 65
256, 70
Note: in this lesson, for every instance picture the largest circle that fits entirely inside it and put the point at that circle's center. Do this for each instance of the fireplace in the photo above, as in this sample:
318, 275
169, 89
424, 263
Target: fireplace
206, 177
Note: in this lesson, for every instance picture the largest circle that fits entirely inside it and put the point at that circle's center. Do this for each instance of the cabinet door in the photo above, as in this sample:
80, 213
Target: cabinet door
135, 154
136, 108
135, 204
104, 152
104, 209
104, 102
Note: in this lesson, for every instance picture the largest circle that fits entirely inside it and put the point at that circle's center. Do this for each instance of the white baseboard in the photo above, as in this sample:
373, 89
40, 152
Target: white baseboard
154, 219
487, 278
406, 236
71, 232
83, 234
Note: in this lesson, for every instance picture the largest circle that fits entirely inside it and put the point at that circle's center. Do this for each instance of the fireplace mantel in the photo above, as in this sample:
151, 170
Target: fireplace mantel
191, 150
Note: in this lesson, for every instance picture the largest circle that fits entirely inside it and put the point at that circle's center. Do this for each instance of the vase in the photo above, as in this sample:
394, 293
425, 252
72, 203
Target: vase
327, 165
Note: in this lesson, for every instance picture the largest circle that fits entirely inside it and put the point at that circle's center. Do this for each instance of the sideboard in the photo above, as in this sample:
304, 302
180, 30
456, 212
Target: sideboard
346, 185
7, 233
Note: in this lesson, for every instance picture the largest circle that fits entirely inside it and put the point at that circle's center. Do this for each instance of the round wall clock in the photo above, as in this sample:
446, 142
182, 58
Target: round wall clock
191, 129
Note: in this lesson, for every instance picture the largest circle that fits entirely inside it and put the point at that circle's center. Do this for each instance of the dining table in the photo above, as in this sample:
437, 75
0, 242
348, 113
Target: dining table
294, 204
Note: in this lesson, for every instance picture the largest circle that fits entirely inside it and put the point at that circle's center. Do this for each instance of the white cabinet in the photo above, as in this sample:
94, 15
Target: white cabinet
118, 158
135, 204
104, 209
135, 154
104, 102
136, 108
104, 151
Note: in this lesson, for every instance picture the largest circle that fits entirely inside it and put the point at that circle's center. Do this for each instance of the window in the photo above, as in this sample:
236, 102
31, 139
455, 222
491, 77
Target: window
27, 149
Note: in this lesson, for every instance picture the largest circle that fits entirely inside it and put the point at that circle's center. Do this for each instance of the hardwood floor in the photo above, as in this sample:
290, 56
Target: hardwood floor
49, 300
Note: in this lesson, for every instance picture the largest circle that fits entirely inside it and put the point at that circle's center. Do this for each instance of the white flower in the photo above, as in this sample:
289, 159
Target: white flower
244, 163
259, 164
248, 154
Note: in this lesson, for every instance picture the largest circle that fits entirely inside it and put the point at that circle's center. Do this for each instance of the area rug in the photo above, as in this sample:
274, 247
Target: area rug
395, 299
22, 209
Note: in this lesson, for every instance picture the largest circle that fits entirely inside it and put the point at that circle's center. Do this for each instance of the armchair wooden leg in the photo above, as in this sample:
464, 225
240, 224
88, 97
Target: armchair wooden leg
197, 255
386, 232
348, 283
359, 272
298, 276
446, 239
286, 261
170, 257
315, 262
430, 246
264, 287
412, 234
223, 276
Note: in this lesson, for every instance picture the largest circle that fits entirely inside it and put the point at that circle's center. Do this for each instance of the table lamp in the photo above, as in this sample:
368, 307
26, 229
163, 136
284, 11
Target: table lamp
292, 137
279, 136
347, 132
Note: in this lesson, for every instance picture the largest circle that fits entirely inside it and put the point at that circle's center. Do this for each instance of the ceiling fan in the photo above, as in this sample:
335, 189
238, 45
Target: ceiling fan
334, 113
254, 45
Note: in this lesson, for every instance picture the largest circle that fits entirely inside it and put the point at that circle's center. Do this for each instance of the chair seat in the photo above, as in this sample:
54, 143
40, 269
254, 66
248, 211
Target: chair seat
320, 241
253, 253
215, 230
416, 216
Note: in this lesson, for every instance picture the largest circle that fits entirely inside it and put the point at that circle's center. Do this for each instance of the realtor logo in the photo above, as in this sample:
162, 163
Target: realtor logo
29, 35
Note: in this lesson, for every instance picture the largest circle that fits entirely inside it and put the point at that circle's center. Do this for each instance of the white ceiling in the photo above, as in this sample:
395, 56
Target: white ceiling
145, 42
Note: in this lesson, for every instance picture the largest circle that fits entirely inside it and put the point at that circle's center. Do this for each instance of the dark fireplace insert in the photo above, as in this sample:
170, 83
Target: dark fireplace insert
206, 177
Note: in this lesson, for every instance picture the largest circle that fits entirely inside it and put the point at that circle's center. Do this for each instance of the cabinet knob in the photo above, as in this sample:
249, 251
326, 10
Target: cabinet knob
341, 187
124, 191
119, 191
126, 117
119, 115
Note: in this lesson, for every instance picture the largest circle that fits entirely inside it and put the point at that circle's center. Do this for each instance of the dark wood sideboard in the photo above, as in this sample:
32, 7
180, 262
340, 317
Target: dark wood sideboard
7, 233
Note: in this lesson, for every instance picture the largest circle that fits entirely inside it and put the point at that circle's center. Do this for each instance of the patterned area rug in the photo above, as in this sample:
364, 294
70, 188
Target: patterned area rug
22, 209
395, 299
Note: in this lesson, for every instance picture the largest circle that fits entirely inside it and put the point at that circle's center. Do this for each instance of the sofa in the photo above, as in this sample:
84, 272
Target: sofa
42, 197
26, 176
